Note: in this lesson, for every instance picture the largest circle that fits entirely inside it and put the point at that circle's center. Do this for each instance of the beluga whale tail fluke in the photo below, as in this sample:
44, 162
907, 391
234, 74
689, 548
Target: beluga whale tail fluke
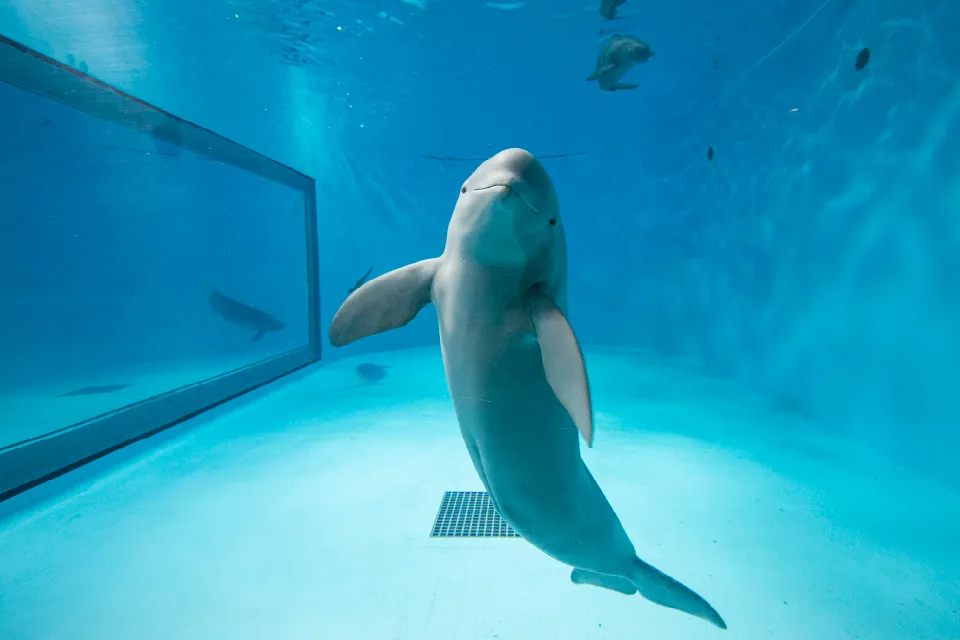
516, 372
655, 586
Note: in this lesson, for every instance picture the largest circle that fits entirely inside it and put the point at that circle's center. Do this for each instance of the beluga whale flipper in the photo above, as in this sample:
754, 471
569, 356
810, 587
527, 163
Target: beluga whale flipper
516, 372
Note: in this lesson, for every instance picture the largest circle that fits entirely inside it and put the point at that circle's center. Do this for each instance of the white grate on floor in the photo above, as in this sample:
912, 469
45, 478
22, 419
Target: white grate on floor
470, 514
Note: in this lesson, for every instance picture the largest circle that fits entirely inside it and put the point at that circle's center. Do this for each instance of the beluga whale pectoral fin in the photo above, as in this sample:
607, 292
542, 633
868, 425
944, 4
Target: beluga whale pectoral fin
256, 337
615, 583
563, 362
601, 70
623, 86
384, 303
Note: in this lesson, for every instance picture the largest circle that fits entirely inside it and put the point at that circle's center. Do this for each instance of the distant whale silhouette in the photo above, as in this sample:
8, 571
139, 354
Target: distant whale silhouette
608, 8
243, 314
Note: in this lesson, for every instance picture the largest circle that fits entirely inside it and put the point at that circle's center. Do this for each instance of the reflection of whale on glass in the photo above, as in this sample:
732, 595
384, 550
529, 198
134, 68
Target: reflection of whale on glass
165, 138
242, 314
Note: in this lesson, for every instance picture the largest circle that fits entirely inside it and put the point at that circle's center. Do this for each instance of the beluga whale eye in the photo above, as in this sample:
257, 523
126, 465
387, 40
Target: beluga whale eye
553, 222
463, 189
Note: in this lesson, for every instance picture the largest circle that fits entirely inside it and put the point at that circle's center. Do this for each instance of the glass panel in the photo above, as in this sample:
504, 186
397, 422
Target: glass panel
130, 266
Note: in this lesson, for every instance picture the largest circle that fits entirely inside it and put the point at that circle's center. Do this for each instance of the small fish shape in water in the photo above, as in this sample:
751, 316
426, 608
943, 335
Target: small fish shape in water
608, 8
95, 390
243, 314
359, 283
387, 16
372, 373
710, 153
618, 55
506, 6
547, 156
862, 59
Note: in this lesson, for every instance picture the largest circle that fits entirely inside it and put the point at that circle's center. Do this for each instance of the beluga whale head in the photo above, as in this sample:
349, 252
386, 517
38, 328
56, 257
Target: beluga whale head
507, 215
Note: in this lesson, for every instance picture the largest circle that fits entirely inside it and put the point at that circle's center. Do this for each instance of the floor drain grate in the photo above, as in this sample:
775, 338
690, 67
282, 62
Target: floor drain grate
470, 514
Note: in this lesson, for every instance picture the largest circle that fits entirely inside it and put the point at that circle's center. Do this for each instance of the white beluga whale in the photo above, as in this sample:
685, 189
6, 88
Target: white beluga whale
516, 372
618, 54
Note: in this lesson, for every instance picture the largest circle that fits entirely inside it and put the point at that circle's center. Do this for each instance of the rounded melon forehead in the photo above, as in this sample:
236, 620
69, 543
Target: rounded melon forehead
518, 166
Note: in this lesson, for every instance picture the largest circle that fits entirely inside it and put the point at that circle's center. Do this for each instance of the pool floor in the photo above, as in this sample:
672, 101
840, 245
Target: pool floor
307, 511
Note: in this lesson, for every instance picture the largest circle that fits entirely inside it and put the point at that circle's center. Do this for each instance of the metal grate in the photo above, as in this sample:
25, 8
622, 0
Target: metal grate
470, 514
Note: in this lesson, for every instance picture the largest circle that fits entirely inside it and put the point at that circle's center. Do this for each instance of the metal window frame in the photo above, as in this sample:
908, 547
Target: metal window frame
31, 462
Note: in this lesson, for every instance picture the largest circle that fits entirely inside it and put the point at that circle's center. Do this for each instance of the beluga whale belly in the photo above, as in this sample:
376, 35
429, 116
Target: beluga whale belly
516, 372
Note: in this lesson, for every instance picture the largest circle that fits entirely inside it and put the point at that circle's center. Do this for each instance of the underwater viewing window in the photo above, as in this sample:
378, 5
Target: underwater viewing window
149, 269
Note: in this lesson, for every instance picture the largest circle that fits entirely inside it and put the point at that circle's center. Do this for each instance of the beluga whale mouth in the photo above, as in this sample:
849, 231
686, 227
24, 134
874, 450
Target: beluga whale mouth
511, 190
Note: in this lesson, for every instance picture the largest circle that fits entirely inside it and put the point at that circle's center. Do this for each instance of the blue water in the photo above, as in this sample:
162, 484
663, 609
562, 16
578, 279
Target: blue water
763, 269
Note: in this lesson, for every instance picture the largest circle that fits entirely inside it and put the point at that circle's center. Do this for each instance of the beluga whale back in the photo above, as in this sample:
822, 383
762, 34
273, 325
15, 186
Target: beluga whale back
516, 372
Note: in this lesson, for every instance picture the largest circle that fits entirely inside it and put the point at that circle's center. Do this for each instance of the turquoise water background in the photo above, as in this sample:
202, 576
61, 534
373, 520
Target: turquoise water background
815, 258
758, 206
